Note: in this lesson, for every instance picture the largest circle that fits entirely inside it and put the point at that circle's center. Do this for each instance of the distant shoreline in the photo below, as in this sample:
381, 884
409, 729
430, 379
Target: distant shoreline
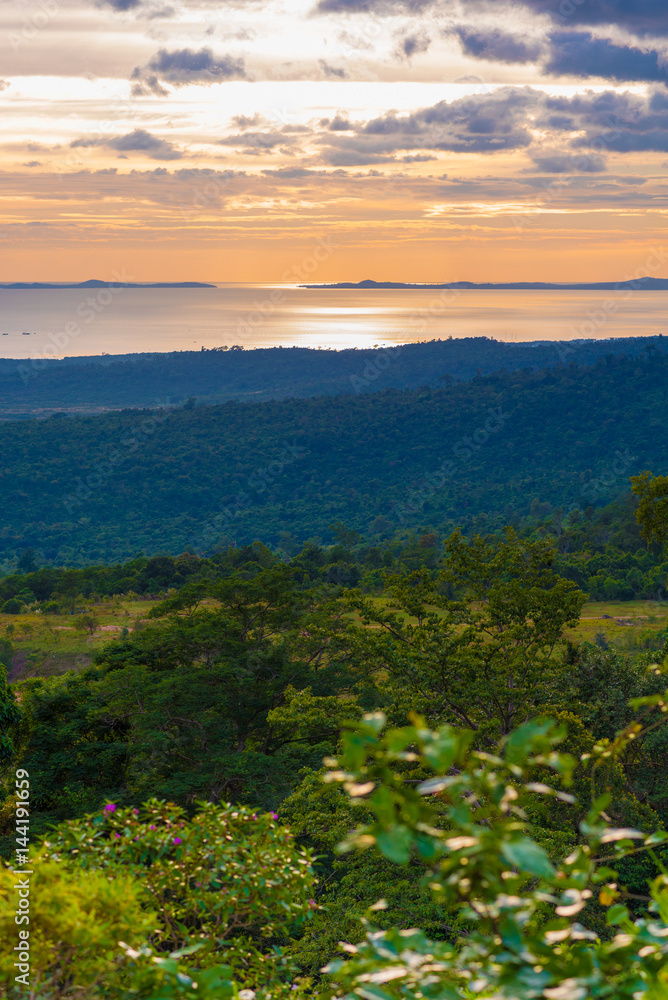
30, 286
644, 284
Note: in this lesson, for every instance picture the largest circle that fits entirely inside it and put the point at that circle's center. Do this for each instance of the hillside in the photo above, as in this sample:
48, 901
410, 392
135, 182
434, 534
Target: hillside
83, 385
101, 488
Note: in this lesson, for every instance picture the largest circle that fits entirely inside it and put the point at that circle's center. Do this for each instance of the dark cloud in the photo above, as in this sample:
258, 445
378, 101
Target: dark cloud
579, 131
184, 66
578, 53
255, 140
498, 46
639, 17
122, 5
355, 157
610, 121
248, 121
332, 71
412, 44
373, 6
482, 123
567, 163
138, 141
339, 124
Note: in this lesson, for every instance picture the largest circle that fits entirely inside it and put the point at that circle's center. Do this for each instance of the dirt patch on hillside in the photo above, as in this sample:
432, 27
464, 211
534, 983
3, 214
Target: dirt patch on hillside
37, 664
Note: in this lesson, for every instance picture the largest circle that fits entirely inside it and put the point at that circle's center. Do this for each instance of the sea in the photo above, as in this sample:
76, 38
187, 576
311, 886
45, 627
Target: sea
78, 322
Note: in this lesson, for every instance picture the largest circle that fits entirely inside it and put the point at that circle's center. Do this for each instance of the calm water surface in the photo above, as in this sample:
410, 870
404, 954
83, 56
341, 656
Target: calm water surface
63, 323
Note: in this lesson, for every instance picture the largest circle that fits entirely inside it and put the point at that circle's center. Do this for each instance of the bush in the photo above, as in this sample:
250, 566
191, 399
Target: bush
230, 874
76, 921
12, 607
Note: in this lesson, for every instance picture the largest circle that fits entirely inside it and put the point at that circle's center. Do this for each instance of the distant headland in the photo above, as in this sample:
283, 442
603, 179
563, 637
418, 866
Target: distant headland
95, 283
645, 284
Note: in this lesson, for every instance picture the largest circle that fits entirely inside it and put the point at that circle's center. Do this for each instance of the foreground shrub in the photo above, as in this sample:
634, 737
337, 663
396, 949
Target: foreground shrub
77, 918
520, 929
229, 876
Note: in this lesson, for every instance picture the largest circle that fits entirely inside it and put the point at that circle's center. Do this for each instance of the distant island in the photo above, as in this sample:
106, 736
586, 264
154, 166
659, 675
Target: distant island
95, 283
645, 284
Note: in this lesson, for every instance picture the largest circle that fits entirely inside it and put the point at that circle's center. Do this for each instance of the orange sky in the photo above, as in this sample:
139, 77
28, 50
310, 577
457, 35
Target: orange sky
232, 142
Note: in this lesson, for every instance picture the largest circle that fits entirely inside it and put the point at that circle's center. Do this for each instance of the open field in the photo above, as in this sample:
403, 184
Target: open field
627, 625
47, 645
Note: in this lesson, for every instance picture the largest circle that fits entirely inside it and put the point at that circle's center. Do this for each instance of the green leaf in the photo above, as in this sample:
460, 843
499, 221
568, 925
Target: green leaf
525, 854
395, 844
617, 914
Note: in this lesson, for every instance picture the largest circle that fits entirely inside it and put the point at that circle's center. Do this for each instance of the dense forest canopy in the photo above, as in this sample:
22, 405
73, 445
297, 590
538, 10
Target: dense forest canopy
106, 488
39, 386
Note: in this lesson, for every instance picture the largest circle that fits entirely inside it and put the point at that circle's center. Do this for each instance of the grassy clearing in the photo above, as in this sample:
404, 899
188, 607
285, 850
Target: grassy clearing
627, 625
46, 645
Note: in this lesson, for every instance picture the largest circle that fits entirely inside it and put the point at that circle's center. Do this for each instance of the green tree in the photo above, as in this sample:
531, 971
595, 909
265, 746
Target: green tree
27, 562
516, 906
9, 714
652, 512
87, 622
486, 660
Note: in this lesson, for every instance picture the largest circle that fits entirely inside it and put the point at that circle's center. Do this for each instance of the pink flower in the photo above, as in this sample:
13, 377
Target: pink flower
110, 807
117, 835
274, 815
177, 840
151, 828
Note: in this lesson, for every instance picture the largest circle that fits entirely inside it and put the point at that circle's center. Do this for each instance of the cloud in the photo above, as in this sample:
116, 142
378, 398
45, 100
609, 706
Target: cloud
371, 6
332, 71
610, 121
639, 17
482, 123
567, 163
254, 141
186, 66
138, 141
498, 46
122, 5
412, 45
578, 53
338, 124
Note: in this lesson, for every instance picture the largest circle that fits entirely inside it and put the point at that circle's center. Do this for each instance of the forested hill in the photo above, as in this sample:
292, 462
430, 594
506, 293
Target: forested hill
38, 387
102, 488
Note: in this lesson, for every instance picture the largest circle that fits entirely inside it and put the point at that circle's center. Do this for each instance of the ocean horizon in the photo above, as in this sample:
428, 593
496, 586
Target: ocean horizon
78, 322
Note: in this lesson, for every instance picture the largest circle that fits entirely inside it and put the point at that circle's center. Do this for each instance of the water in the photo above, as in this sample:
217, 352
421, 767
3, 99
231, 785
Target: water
63, 324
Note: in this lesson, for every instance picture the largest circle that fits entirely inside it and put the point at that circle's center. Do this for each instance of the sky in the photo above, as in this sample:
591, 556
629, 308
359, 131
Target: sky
330, 140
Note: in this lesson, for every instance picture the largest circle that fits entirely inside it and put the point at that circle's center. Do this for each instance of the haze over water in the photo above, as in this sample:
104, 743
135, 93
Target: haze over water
148, 320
